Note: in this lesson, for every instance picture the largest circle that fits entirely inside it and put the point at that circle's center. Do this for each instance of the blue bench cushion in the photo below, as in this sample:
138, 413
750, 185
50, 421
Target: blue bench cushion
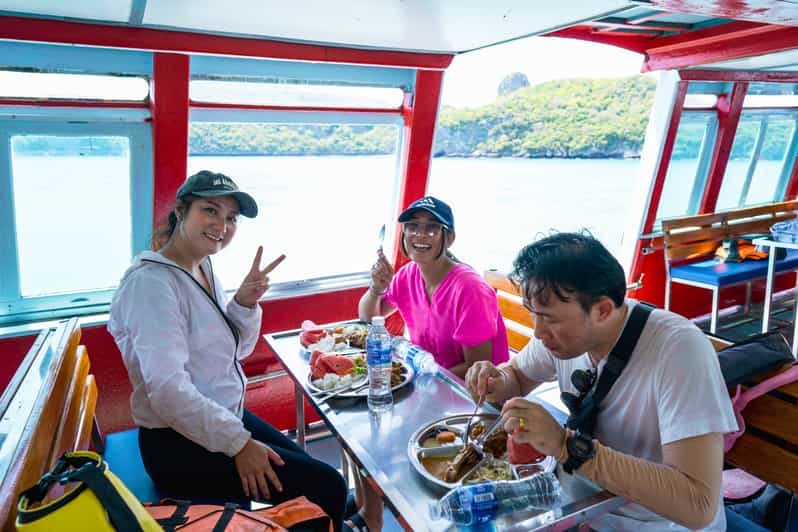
124, 459
715, 273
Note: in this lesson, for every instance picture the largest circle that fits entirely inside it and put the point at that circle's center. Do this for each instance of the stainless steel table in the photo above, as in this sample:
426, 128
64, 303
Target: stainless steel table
379, 444
773, 245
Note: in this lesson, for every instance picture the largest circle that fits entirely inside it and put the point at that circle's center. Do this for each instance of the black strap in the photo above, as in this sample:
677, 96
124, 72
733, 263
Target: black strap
177, 518
584, 418
92, 474
227, 515
38, 491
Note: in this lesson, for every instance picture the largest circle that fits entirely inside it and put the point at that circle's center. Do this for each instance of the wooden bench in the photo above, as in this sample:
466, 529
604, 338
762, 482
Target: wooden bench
517, 319
690, 243
46, 410
769, 447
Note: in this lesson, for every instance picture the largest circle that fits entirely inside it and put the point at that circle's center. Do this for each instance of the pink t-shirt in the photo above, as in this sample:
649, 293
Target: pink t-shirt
464, 312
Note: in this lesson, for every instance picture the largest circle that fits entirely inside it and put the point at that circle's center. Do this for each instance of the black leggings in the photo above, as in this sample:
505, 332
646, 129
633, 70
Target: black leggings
185, 469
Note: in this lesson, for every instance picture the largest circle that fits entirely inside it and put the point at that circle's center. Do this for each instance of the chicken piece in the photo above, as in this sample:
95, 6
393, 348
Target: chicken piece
496, 443
461, 464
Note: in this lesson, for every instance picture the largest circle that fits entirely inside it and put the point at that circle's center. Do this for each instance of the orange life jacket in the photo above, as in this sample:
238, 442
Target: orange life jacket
181, 515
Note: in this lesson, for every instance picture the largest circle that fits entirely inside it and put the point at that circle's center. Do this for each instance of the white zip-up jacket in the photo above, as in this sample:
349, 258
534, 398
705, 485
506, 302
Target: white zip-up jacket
182, 351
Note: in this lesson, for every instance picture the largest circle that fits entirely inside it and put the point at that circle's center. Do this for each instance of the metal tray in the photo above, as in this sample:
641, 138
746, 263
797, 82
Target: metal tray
407, 374
457, 424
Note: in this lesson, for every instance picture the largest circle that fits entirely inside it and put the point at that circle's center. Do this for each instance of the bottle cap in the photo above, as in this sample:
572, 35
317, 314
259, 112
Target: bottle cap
378, 320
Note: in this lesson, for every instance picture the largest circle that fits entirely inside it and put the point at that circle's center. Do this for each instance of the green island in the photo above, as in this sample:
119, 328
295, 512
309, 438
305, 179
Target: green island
572, 118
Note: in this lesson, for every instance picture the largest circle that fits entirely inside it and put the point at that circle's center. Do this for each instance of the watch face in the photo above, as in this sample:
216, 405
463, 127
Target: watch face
581, 446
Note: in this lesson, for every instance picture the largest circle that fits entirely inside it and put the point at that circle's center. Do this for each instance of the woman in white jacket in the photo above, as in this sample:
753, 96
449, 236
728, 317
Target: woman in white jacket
181, 341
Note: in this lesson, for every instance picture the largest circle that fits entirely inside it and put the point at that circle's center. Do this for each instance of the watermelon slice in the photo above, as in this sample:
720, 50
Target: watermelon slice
337, 364
307, 338
308, 325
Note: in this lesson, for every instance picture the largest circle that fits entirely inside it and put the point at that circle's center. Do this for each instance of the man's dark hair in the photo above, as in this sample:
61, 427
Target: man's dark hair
570, 265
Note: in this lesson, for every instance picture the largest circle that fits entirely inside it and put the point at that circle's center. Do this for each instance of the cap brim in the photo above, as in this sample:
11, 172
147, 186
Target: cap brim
408, 214
246, 203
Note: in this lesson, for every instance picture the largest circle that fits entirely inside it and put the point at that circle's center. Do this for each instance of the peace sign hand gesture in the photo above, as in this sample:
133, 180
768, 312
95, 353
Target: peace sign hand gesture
256, 282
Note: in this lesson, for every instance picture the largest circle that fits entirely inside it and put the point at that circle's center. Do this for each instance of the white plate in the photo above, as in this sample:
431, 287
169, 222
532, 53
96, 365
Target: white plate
407, 375
356, 381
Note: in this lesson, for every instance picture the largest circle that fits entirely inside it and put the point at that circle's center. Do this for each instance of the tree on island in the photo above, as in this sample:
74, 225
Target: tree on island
513, 82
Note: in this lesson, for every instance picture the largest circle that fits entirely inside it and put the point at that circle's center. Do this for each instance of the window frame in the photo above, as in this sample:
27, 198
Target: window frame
342, 281
114, 122
764, 116
704, 161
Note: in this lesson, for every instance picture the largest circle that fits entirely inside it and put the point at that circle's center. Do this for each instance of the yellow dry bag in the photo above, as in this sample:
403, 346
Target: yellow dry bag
97, 501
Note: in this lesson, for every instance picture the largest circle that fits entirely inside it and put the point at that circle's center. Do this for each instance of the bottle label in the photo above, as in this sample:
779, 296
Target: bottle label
481, 499
378, 352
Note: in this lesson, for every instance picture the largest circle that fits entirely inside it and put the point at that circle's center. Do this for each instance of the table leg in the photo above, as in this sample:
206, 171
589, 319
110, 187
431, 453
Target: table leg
299, 401
795, 331
769, 290
713, 323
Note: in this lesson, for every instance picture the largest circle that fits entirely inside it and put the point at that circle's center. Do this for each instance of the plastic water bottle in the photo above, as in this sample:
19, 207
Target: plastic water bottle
378, 360
422, 361
480, 503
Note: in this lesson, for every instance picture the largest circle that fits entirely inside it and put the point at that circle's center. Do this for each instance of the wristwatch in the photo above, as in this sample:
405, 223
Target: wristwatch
580, 450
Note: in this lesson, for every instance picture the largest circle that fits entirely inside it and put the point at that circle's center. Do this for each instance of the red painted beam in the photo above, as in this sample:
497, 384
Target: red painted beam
301, 109
73, 103
792, 184
767, 11
56, 31
169, 109
417, 147
664, 163
734, 40
773, 76
729, 110
633, 43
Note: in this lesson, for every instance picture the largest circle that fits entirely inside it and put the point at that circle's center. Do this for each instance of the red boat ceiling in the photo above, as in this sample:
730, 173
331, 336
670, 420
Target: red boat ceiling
436, 26
769, 11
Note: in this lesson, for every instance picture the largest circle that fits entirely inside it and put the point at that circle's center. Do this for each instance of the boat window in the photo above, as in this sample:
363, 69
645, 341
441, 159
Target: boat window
755, 173
701, 101
295, 94
688, 166
72, 86
770, 100
76, 203
67, 191
502, 204
323, 191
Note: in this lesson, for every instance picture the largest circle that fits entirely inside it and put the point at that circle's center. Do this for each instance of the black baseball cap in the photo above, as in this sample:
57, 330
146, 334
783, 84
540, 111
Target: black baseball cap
440, 210
207, 184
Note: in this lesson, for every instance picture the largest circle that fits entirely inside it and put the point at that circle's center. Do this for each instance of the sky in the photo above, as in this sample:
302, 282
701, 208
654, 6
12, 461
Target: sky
473, 78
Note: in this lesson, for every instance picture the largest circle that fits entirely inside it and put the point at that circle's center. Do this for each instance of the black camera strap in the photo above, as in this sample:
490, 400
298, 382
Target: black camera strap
584, 417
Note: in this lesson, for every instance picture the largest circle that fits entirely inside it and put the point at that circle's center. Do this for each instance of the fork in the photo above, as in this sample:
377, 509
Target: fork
336, 393
381, 237
480, 441
471, 420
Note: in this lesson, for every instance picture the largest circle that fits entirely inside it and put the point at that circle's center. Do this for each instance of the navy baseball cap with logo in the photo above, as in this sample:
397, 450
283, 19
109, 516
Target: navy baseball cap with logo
434, 206
207, 184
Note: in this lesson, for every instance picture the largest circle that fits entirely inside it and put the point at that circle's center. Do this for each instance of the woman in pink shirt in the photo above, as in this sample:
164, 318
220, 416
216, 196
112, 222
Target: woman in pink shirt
449, 309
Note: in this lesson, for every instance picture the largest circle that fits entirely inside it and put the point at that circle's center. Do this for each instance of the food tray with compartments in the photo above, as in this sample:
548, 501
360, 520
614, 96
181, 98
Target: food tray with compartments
430, 457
